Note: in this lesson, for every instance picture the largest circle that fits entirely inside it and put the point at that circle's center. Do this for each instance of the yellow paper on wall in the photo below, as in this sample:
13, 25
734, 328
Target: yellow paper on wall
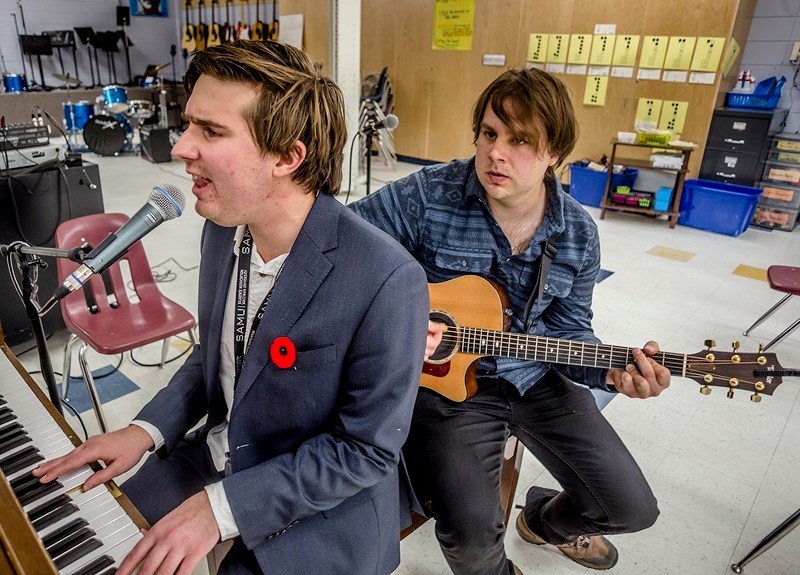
595, 92
679, 52
602, 49
648, 110
730, 56
579, 46
707, 54
673, 116
537, 48
453, 23
557, 45
654, 50
625, 49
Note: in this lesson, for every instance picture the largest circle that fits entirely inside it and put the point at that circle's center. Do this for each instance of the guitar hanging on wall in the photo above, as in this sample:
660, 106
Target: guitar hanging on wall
214, 35
259, 28
242, 29
189, 38
474, 301
202, 28
229, 29
274, 30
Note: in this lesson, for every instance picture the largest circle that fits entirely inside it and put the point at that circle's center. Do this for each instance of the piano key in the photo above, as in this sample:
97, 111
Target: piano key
98, 567
72, 541
64, 533
116, 546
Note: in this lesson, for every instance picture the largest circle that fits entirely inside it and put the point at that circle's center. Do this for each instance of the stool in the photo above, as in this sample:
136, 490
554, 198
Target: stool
784, 279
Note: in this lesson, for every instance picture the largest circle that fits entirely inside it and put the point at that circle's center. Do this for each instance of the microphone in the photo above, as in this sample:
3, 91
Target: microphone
390, 122
164, 203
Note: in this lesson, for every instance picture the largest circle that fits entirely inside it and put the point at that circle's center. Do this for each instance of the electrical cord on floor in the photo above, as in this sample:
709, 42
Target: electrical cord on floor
75, 413
177, 357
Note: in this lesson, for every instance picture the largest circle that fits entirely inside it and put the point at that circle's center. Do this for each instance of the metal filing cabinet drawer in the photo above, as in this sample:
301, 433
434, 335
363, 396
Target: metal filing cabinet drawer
730, 167
743, 131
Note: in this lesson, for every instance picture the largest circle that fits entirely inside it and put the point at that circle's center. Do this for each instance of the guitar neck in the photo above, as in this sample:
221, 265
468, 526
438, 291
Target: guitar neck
478, 341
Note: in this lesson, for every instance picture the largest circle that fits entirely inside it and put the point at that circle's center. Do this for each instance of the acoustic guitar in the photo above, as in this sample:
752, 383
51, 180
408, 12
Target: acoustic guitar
202, 28
259, 30
274, 30
229, 29
242, 29
189, 38
214, 36
472, 310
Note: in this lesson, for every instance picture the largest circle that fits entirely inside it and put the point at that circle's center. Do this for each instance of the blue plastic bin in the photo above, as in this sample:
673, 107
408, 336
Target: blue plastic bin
717, 207
587, 186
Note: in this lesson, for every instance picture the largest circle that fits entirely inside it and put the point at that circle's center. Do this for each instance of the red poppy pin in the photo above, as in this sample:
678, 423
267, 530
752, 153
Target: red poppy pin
282, 352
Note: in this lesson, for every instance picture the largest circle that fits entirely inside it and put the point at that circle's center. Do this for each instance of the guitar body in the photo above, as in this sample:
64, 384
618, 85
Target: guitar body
188, 40
473, 309
202, 37
274, 29
214, 35
259, 29
243, 31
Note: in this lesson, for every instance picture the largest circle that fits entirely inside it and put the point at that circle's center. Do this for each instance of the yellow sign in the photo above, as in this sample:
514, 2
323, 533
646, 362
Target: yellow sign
602, 50
453, 23
537, 48
648, 110
654, 49
595, 92
730, 56
557, 48
625, 50
679, 52
673, 116
707, 54
579, 45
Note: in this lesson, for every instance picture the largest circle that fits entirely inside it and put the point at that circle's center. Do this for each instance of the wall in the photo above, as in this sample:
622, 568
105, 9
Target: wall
775, 28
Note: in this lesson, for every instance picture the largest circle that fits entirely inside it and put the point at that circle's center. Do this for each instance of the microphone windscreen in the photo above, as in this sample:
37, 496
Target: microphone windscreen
391, 121
168, 199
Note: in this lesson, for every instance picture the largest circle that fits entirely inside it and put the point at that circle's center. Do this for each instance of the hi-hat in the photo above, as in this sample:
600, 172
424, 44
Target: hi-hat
67, 79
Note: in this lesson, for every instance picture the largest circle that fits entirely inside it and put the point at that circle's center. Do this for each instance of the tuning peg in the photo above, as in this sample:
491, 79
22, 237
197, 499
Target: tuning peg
730, 393
709, 343
735, 344
705, 390
760, 347
755, 398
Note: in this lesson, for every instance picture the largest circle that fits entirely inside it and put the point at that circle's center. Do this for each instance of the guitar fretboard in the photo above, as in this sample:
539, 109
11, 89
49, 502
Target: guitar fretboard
478, 341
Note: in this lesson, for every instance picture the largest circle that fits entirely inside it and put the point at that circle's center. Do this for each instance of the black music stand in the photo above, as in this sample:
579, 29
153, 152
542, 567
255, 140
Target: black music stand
37, 46
107, 42
64, 39
87, 37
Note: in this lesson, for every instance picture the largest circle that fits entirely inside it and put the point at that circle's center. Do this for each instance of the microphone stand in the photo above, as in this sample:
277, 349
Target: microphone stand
34, 313
369, 132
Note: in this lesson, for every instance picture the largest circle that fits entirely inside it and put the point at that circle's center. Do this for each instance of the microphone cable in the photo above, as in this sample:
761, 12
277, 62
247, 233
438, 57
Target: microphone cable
350, 168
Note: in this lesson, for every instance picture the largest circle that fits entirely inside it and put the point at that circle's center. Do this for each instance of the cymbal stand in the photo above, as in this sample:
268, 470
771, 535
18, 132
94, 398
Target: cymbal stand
31, 82
162, 101
21, 51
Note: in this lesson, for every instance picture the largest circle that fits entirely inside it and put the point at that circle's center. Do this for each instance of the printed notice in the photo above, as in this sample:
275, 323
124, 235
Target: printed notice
625, 50
537, 48
707, 54
595, 93
654, 50
679, 52
557, 48
453, 23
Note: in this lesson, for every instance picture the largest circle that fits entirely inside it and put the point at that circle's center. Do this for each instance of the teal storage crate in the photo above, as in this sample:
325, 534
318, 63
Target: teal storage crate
587, 186
717, 207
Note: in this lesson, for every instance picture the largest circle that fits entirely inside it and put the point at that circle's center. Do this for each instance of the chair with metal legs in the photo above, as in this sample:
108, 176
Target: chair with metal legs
784, 279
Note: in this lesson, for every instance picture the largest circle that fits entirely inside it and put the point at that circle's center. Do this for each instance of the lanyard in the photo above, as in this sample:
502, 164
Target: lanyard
240, 346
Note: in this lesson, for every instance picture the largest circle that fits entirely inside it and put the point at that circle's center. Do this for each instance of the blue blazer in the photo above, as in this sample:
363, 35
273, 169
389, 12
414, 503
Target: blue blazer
314, 447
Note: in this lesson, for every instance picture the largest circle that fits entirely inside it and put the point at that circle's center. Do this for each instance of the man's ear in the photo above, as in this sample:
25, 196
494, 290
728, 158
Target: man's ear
288, 164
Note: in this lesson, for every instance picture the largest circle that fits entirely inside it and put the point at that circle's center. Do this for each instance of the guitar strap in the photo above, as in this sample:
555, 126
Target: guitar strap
548, 253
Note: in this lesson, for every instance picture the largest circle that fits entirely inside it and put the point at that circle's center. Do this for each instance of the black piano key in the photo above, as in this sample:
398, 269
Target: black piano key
80, 551
71, 542
39, 491
6, 414
57, 514
10, 428
97, 567
28, 487
111, 571
22, 481
64, 531
2, 400
20, 460
11, 442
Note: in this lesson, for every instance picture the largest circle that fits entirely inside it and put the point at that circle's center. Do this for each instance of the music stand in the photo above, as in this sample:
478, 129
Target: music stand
37, 46
63, 39
107, 42
87, 37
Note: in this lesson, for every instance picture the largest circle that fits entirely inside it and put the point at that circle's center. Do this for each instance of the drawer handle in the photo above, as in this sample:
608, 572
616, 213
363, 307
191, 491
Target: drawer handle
729, 141
724, 175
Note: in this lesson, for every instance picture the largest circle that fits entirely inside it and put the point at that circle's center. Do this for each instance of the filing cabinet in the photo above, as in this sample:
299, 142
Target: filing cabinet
738, 143
779, 204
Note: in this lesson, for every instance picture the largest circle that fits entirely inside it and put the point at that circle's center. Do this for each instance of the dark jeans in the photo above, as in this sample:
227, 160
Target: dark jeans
455, 452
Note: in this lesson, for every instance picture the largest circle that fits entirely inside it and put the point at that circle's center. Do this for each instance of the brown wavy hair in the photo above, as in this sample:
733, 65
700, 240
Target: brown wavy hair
535, 106
295, 102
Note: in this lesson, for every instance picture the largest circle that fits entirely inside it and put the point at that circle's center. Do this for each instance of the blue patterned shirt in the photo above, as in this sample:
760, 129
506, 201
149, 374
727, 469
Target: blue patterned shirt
440, 214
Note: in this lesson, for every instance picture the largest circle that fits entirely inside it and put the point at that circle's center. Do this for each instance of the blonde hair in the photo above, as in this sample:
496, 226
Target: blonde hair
295, 102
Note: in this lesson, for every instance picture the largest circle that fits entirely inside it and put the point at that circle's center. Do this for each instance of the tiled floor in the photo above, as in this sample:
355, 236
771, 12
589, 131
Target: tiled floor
725, 471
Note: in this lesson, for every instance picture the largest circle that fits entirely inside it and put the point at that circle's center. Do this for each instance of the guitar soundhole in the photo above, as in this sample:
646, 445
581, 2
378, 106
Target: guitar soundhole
449, 345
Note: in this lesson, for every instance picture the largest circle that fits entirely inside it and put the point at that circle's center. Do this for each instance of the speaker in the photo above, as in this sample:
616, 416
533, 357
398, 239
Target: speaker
123, 16
155, 144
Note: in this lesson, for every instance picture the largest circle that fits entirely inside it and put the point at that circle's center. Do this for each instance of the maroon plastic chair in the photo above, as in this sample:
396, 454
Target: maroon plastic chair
784, 279
102, 314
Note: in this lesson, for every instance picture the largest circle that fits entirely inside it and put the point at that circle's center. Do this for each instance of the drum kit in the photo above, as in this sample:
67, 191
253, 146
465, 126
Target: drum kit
109, 125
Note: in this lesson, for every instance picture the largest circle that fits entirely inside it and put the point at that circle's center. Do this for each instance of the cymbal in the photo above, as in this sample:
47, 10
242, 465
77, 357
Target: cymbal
157, 69
67, 79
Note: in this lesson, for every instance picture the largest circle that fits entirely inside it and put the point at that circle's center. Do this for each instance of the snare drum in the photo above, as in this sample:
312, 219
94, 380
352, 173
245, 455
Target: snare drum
15, 83
140, 109
76, 114
149, 82
116, 99
104, 135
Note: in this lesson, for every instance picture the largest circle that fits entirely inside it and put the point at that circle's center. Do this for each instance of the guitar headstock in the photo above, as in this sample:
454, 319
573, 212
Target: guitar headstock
759, 373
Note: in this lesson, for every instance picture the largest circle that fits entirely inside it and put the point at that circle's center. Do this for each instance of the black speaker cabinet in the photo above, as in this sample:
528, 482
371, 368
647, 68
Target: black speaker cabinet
155, 144
31, 207
123, 16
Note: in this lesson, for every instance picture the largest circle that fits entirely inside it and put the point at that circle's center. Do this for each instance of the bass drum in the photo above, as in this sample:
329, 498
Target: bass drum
104, 135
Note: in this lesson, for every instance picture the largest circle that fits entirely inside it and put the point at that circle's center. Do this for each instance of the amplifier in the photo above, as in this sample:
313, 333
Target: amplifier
29, 158
23, 136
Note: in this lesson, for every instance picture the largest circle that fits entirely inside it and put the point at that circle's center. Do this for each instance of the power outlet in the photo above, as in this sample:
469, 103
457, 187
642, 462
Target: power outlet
795, 57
